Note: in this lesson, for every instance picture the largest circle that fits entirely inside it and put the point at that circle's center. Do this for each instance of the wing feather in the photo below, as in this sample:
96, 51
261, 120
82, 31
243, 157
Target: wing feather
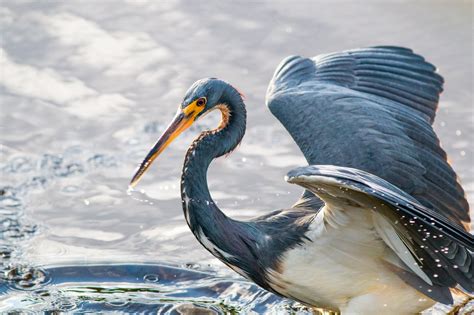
441, 249
398, 245
371, 109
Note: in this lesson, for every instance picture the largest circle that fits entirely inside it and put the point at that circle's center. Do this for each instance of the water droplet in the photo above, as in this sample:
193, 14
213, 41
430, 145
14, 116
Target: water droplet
435, 275
86, 202
458, 132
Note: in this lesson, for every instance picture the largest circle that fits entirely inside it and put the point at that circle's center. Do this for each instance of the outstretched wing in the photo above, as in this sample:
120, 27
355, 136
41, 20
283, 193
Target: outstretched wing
371, 109
429, 246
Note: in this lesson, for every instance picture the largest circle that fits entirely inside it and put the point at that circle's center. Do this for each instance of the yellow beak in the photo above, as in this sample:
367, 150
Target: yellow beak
180, 123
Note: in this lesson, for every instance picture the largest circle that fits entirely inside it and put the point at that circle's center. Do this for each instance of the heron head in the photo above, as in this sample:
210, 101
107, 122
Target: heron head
201, 98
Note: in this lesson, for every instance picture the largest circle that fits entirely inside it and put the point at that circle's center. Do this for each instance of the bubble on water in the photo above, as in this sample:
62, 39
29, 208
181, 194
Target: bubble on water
151, 278
117, 303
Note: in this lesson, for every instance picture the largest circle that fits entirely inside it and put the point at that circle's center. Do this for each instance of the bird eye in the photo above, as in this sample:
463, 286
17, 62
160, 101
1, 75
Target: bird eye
201, 101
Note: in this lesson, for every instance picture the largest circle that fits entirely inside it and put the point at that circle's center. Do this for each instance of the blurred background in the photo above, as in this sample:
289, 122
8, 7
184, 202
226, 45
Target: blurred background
88, 86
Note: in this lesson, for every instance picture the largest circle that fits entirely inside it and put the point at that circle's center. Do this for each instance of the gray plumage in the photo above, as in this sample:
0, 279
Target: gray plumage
382, 223
370, 109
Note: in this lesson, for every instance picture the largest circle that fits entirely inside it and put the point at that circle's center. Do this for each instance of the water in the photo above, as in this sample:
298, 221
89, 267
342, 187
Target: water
87, 87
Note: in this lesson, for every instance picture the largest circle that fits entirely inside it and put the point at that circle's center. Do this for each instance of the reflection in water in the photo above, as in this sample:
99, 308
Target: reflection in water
87, 87
134, 288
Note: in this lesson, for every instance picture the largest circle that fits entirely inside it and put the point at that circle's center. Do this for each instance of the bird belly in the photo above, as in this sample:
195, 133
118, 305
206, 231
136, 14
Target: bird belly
342, 269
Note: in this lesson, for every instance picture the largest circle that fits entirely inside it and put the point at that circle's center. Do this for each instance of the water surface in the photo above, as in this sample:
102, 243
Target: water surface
87, 87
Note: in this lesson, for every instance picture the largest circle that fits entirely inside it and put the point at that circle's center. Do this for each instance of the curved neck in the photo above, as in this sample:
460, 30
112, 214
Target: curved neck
225, 238
208, 146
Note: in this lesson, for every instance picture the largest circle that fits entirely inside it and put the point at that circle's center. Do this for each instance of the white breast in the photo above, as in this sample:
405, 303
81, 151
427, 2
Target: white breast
342, 268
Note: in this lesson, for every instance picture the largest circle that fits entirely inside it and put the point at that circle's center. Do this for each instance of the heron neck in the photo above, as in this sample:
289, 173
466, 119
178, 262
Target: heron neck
202, 214
208, 146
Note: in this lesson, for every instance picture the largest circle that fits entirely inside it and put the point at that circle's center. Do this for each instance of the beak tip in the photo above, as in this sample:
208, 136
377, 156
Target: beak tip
135, 180
178, 125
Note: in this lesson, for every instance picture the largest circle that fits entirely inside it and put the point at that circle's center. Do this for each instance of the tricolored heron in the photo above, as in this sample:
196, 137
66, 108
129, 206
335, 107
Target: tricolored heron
382, 226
